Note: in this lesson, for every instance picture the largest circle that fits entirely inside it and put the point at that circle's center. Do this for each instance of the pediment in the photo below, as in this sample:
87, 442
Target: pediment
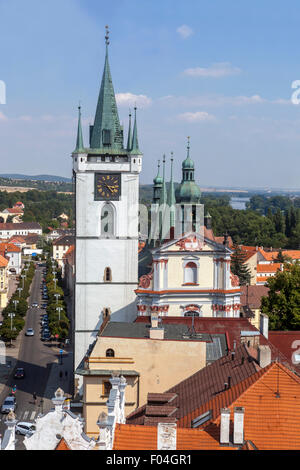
191, 242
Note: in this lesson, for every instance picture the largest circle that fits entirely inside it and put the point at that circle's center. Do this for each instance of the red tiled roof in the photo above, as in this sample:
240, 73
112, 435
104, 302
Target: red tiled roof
288, 342
9, 247
271, 402
62, 445
268, 268
272, 255
15, 210
3, 262
252, 295
21, 226
131, 437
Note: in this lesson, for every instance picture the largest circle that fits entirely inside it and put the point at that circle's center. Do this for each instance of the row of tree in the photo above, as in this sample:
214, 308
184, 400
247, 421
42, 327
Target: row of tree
15, 312
59, 323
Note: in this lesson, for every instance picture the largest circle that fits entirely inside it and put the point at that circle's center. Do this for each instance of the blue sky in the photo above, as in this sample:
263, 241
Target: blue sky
219, 72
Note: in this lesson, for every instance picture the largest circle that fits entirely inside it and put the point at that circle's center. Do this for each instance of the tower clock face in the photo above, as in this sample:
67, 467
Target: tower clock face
107, 186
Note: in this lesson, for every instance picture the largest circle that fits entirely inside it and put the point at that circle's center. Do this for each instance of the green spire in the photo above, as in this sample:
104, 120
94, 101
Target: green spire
106, 131
171, 193
135, 142
129, 141
171, 196
79, 142
188, 163
158, 182
163, 195
158, 179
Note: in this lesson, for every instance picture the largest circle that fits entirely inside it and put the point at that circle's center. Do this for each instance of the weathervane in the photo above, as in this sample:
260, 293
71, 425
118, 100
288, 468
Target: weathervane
107, 35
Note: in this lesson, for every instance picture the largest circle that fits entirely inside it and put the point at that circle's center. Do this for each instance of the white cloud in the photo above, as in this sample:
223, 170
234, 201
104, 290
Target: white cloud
212, 100
130, 100
217, 70
184, 31
198, 116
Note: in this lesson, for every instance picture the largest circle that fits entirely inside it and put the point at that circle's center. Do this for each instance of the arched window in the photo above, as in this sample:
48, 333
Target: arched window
107, 220
107, 275
191, 313
110, 353
190, 273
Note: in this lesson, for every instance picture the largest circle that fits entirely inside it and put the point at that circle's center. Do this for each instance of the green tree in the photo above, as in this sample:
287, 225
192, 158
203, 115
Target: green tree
239, 267
282, 304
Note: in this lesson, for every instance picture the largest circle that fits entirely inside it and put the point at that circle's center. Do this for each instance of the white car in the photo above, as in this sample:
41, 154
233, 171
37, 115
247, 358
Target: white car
29, 332
26, 429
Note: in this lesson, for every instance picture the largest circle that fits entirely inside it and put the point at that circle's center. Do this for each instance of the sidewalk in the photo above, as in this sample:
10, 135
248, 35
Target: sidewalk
56, 381
12, 355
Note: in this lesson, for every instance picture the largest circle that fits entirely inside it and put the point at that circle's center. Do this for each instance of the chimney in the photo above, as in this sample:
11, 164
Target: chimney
264, 325
238, 427
166, 436
225, 426
264, 356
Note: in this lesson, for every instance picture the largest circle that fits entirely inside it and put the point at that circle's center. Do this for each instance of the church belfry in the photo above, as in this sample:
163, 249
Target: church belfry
107, 197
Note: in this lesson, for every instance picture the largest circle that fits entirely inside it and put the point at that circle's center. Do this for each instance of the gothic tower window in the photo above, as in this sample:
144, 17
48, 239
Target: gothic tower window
190, 273
107, 220
107, 275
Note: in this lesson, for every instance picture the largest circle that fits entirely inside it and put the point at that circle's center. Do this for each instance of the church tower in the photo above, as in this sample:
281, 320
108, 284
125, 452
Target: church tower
107, 197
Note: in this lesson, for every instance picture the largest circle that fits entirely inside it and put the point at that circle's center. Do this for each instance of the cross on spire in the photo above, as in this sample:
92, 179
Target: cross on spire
107, 35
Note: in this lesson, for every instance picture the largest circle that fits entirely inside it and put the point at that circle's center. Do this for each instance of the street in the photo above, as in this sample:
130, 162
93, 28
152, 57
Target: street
36, 358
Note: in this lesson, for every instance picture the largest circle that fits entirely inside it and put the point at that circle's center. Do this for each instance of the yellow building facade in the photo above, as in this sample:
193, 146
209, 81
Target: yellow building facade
154, 363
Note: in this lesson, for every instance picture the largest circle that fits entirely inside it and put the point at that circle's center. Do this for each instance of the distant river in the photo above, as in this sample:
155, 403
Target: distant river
239, 202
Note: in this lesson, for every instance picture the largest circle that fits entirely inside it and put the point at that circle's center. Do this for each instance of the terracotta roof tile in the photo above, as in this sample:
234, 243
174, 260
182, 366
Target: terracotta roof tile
271, 400
62, 445
268, 268
3, 262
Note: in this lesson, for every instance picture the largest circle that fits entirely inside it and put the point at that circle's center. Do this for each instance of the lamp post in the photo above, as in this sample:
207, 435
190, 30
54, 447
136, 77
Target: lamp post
55, 281
11, 316
23, 277
15, 303
57, 297
20, 290
59, 309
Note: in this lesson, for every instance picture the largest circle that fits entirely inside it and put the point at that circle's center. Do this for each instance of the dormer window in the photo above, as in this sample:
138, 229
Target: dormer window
106, 137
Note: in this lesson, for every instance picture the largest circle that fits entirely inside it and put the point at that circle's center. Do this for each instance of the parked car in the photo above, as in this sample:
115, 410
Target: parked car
26, 429
29, 332
8, 405
20, 373
45, 337
44, 305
